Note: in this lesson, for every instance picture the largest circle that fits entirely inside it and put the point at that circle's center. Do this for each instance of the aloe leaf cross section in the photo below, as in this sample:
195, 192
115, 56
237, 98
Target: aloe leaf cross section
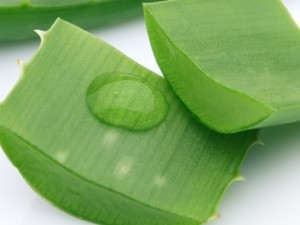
107, 140
235, 64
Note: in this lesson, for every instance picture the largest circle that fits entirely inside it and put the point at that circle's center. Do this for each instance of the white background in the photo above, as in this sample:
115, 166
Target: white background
269, 196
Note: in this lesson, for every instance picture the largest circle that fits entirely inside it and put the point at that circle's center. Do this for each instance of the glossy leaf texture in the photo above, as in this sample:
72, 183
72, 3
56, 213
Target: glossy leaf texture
172, 172
18, 18
235, 64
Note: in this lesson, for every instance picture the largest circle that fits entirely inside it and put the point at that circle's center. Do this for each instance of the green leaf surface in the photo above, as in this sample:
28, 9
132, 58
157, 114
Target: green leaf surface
235, 64
18, 18
173, 172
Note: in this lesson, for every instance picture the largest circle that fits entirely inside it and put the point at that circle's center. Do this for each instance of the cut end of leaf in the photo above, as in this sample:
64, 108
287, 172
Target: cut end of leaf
217, 106
223, 64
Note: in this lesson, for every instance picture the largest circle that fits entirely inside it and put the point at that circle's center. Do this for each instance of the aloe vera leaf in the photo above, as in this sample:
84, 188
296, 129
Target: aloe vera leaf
19, 18
234, 64
174, 172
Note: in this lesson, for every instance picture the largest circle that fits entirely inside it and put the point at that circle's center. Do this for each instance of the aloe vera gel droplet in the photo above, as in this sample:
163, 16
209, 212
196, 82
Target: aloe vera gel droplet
126, 101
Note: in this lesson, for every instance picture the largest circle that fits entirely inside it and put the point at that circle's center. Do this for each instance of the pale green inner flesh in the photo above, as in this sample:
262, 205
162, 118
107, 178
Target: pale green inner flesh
177, 167
251, 47
127, 101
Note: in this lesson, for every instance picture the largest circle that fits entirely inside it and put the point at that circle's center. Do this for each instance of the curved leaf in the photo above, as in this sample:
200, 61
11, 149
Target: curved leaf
234, 64
174, 172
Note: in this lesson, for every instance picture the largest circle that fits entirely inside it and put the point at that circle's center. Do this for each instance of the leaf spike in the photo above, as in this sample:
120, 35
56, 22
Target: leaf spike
239, 178
214, 217
20, 62
41, 33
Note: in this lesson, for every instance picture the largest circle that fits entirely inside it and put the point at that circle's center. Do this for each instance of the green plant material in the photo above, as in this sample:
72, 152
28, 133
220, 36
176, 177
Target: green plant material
18, 18
173, 172
235, 64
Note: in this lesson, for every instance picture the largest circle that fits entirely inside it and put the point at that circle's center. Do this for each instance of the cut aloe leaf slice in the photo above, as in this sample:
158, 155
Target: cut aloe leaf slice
235, 64
108, 141
18, 18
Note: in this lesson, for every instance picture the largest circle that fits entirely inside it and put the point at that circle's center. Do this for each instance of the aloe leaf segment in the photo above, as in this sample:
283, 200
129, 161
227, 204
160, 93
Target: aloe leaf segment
54, 128
234, 64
